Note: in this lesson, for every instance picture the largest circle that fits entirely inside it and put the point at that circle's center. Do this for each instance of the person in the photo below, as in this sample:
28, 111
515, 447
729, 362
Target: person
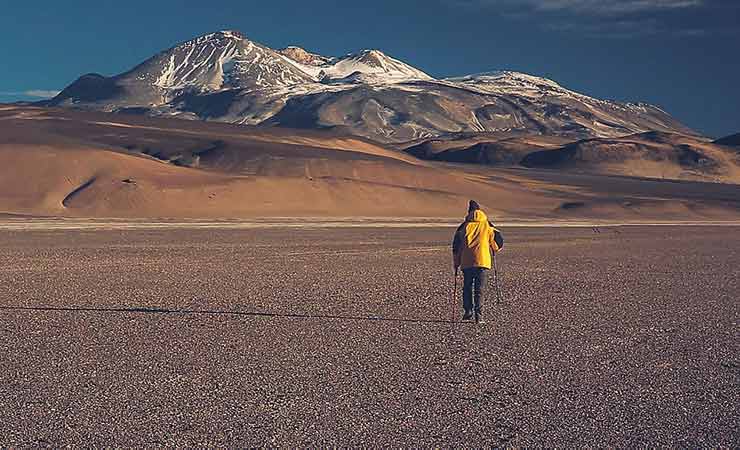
475, 240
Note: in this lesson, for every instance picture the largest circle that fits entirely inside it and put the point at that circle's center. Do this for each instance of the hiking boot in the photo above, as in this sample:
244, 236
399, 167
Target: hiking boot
468, 315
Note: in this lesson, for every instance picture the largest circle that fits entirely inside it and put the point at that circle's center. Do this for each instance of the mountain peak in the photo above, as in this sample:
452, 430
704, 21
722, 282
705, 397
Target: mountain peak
505, 76
376, 64
212, 62
373, 57
303, 56
366, 54
227, 34
372, 52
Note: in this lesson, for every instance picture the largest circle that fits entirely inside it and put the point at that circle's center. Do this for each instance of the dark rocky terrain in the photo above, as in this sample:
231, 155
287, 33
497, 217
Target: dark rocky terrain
732, 140
606, 337
651, 154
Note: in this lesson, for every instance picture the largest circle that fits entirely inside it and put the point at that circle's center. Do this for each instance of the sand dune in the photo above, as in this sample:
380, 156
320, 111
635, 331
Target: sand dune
85, 167
72, 164
99, 183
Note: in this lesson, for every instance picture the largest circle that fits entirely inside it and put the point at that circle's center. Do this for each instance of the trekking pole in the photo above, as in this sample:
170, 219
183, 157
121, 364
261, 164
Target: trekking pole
454, 293
452, 309
499, 296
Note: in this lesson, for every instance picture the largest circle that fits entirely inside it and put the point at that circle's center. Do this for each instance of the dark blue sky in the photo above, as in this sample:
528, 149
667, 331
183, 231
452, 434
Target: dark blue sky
682, 55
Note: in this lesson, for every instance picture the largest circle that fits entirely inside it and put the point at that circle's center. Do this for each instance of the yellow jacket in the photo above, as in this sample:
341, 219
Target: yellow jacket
474, 241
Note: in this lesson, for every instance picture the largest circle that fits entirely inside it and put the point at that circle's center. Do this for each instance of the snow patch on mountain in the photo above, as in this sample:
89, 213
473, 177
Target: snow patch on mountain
366, 66
223, 60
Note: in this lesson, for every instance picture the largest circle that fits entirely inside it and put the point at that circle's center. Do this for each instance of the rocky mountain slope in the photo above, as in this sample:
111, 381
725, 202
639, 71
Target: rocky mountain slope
484, 148
651, 154
226, 77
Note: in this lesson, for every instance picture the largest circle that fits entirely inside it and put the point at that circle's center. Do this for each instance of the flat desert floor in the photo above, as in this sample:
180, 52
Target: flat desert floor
615, 336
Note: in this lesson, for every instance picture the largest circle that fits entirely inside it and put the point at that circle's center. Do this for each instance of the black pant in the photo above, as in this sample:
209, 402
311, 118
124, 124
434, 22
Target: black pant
473, 284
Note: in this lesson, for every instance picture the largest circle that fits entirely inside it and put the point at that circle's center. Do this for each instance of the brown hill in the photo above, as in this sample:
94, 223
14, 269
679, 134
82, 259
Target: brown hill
653, 155
504, 149
75, 164
59, 162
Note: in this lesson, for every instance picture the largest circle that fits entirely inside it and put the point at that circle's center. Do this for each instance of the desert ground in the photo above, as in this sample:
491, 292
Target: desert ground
347, 336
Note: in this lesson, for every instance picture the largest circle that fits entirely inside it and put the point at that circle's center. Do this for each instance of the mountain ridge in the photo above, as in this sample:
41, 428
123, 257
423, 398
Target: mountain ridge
732, 140
225, 76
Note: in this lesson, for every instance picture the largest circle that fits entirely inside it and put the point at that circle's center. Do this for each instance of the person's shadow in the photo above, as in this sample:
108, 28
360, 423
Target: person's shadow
143, 310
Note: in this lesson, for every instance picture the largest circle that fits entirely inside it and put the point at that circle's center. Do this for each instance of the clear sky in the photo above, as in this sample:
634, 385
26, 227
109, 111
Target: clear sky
682, 55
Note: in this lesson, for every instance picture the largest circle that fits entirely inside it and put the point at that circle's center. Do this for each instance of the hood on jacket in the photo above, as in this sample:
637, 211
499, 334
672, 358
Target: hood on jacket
477, 216
472, 206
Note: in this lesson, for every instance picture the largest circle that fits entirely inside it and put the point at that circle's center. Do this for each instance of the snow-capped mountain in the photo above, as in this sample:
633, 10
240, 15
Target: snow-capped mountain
226, 77
210, 63
373, 63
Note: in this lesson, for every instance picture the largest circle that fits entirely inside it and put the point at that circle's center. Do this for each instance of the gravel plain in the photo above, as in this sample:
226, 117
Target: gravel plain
613, 336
